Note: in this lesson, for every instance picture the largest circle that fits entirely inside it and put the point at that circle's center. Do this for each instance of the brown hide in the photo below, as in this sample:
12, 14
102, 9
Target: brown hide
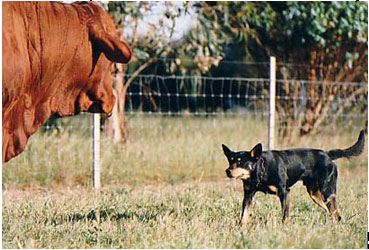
57, 60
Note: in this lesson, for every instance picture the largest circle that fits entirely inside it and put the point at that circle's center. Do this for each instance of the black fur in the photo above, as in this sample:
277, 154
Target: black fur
354, 150
275, 172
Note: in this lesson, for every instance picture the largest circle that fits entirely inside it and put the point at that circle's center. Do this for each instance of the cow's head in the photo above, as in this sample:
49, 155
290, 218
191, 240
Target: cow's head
66, 70
97, 96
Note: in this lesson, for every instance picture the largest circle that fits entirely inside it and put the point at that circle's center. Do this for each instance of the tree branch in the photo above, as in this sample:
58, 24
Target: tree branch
137, 72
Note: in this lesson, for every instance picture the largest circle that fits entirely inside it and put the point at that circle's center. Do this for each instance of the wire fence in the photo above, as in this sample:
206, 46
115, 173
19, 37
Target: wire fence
301, 101
176, 125
194, 95
301, 105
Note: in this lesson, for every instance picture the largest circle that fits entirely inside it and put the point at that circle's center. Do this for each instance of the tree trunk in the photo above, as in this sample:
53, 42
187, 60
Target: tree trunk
116, 125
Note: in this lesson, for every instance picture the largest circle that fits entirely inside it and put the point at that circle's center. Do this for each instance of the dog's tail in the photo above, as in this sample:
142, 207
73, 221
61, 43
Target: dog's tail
354, 150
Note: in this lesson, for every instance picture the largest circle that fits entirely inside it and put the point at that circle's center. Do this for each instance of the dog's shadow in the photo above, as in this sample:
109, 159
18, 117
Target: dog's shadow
103, 214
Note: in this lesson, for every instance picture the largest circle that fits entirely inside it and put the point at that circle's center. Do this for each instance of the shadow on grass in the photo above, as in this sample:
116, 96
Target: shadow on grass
111, 215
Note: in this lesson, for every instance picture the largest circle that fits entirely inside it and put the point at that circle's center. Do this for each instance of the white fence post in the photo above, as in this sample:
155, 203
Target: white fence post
96, 150
271, 102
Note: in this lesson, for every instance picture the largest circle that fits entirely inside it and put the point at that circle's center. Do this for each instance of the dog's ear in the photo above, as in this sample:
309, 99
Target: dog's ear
226, 151
256, 151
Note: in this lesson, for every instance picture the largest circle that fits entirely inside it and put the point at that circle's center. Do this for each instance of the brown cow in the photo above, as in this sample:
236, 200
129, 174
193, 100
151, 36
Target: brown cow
57, 60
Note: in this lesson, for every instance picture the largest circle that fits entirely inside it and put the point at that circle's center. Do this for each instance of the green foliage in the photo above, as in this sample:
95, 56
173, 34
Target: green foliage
292, 31
324, 41
320, 23
315, 41
159, 20
335, 22
328, 25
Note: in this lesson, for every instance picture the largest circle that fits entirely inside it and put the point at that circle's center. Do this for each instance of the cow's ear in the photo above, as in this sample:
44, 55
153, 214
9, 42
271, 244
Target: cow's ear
114, 49
256, 151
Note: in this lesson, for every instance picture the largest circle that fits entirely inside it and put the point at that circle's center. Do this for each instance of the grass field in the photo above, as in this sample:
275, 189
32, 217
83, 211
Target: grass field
166, 188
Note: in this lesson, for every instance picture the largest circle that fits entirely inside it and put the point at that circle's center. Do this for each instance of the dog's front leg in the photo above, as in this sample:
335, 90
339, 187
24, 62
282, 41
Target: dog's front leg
246, 205
283, 197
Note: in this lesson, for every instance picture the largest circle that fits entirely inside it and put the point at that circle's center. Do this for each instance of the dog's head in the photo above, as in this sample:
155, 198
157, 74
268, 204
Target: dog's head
243, 163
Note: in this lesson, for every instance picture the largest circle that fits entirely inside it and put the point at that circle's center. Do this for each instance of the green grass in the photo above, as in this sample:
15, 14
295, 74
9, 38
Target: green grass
190, 215
166, 188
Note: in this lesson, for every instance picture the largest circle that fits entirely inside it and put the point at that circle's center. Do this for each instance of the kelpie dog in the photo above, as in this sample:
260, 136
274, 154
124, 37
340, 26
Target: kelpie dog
274, 172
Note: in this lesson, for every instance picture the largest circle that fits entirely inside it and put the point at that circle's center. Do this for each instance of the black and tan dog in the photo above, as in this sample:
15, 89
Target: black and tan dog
275, 172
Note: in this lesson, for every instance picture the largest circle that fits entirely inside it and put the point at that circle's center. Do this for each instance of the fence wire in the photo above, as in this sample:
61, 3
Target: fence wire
308, 102
301, 104
176, 125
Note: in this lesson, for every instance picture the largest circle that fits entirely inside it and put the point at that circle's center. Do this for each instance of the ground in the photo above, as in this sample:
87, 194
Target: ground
168, 190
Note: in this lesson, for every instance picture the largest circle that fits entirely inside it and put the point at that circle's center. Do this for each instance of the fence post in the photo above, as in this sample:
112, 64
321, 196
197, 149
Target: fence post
96, 150
271, 102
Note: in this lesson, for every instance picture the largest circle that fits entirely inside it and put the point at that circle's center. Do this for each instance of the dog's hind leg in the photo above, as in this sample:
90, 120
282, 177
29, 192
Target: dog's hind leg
315, 194
324, 192
328, 204
332, 206
318, 198
329, 191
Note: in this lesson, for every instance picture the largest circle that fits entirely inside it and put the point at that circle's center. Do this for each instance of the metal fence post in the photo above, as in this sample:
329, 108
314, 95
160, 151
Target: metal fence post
272, 103
96, 150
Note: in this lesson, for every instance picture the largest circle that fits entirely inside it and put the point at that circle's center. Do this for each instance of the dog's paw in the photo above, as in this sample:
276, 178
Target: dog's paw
243, 223
287, 220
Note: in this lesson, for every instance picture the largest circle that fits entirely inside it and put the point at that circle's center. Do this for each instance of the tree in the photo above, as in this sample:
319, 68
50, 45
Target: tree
155, 51
148, 49
323, 41
314, 41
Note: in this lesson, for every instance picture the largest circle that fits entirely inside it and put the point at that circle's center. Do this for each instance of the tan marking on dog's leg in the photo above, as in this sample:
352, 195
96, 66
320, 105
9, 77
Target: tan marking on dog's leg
317, 197
246, 205
332, 207
246, 216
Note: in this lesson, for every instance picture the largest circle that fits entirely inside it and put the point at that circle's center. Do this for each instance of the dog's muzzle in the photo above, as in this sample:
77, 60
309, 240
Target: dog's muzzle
229, 173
